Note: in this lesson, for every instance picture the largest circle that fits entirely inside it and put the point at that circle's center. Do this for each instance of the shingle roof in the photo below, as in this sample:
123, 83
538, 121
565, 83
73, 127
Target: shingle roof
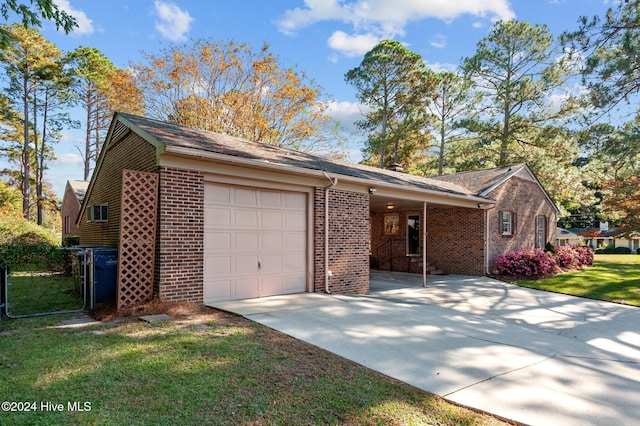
169, 134
79, 187
481, 181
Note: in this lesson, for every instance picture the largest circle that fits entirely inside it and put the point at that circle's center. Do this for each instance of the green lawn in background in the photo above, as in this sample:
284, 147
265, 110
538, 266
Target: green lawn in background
39, 292
613, 278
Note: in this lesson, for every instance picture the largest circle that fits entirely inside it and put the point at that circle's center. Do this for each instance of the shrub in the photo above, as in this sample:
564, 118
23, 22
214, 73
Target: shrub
610, 249
535, 263
527, 263
638, 250
568, 257
550, 248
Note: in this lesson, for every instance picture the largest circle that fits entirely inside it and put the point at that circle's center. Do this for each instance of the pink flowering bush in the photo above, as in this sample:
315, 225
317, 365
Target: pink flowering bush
568, 258
529, 263
536, 263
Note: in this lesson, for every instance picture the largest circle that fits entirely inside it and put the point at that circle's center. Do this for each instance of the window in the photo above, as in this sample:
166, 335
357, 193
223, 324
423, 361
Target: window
97, 213
541, 231
67, 224
507, 221
413, 235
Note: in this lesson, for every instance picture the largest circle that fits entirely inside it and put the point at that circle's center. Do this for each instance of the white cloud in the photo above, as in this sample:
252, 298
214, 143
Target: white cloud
352, 45
439, 67
85, 25
439, 41
68, 159
388, 18
174, 23
346, 113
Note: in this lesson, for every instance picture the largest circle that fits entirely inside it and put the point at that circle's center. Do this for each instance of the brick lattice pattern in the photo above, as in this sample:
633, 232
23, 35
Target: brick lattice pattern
137, 237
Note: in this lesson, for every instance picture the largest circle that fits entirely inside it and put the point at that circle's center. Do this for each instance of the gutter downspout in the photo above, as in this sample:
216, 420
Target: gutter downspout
327, 188
424, 244
486, 239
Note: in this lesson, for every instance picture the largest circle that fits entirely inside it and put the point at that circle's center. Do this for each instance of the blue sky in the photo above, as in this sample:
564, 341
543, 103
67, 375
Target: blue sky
324, 38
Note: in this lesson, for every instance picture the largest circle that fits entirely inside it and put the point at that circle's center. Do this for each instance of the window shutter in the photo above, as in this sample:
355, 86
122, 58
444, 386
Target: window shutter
500, 222
514, 221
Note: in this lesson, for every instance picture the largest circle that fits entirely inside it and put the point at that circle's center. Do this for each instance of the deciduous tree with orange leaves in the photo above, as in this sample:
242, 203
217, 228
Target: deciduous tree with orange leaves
231, 88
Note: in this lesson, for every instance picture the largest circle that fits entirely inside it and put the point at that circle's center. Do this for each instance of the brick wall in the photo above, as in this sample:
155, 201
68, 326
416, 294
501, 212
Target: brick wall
180, 249
348, 241
131, 152
69, 212
455, 242
525, 198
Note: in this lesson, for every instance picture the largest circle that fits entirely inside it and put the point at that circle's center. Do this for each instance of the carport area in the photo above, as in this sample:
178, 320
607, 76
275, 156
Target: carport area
535, 357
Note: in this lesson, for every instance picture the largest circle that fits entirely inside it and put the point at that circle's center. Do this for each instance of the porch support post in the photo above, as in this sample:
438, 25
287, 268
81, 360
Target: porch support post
424, 244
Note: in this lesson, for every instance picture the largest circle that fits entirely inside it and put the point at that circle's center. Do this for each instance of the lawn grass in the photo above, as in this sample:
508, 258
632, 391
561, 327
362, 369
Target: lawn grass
33, 292
613, 278
207, 367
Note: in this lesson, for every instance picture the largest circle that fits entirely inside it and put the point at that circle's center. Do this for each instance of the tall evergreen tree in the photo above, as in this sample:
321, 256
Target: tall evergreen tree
391, 81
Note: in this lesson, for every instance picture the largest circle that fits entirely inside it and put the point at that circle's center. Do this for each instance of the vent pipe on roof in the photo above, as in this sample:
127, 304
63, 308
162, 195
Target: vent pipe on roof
396, 168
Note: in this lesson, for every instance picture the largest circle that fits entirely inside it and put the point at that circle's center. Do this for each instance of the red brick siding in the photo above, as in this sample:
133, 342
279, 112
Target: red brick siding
348, 241
180, 250
525, 198
133, 153
70, 209
455, 242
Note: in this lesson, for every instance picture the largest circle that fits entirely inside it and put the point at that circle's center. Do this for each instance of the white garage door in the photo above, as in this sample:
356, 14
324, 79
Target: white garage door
255, 242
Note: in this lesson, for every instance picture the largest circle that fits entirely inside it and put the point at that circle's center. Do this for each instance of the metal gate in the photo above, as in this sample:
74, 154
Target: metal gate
43, 287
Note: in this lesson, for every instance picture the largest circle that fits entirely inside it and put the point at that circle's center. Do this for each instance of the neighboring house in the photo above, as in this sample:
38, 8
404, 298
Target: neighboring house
237, 219
74, 193
564, 237
524, 214
615, 237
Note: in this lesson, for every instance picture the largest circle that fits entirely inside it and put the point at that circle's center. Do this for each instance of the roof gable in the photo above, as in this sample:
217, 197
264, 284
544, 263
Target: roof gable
482, 182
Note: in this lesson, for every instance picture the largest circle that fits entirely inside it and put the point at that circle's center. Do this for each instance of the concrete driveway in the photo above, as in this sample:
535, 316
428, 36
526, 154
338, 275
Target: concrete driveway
535, 357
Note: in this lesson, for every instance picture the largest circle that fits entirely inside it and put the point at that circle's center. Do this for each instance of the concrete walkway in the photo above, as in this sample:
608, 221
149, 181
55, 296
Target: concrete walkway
535, 357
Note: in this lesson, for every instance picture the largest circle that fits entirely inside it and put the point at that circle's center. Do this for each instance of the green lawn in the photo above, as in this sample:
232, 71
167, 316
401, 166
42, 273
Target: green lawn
206, 367
613, 277
39, 292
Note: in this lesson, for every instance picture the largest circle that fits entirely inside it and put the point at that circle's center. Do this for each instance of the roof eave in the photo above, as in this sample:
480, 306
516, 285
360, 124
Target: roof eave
248, 162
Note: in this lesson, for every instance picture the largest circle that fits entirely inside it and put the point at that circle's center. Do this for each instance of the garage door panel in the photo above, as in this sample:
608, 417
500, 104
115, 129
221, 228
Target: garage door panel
295, 241
245, 287
292, 282
245, 219
217, 266
270, 199
296, 201
255, 242
246, 241
217, 194
217, 242
271, 285
294, 262
271, 263
271, 242
217, 218
272, 220
295, 221
245, 265
245, 196
217, 289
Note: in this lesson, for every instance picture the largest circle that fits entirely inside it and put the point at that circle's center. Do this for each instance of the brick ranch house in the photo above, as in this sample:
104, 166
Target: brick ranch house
237, 219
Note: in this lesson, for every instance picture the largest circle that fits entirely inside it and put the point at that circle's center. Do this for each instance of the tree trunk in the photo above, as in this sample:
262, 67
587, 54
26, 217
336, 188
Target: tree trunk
26, 163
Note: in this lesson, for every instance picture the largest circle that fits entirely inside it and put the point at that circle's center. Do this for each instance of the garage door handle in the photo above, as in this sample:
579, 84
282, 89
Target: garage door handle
259, 265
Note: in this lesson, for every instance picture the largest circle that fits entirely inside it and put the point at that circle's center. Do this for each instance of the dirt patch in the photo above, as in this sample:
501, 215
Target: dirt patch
107, 312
